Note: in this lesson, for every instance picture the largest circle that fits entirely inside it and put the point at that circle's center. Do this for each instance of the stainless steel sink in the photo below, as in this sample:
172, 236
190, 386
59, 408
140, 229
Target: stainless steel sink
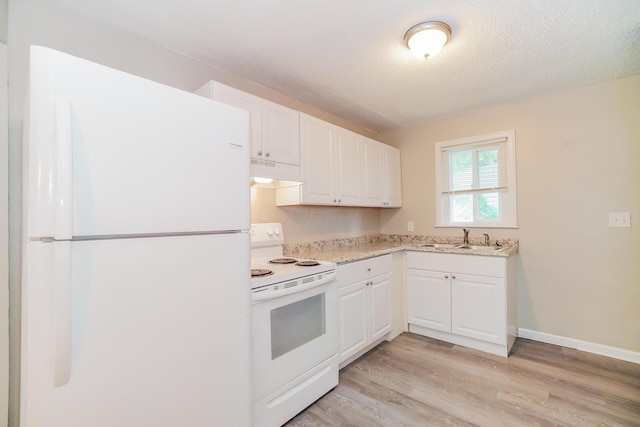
460, 246
475, 247
437, 245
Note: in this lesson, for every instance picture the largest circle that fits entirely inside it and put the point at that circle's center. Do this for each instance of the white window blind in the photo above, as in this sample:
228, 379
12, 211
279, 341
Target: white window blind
475, 168
475, 181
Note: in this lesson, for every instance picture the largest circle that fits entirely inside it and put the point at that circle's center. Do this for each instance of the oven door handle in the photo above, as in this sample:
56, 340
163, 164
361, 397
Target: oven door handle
269, 294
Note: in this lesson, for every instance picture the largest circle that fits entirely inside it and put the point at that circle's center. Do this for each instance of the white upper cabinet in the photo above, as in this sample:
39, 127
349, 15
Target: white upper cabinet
317, 140
342, 168
331, 163
348, 162
393, 176
280, 134
252, 104
275, 132
382, 175
373, 176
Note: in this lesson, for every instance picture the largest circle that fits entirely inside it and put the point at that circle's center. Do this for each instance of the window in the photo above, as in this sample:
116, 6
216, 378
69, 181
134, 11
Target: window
476, 181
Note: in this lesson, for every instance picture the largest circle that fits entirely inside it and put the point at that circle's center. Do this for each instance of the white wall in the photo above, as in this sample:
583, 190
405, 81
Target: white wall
4, 241
3, 21
578, 158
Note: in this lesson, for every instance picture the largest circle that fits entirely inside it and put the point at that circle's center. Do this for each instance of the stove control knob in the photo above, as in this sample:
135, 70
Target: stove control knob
269, 231
276, 231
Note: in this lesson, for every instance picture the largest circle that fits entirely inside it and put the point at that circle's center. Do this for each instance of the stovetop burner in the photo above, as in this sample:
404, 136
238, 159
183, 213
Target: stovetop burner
270, 265
283, 261
260, 272
307, 263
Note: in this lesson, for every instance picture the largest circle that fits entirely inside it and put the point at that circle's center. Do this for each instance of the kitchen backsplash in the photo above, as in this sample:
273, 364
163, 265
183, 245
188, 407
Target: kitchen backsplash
313, 223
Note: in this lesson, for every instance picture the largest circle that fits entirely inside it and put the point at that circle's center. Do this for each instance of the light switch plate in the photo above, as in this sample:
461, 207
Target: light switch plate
619, 219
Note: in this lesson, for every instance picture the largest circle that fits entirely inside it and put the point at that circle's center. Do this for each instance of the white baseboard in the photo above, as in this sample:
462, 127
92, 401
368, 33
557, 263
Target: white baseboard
603, 350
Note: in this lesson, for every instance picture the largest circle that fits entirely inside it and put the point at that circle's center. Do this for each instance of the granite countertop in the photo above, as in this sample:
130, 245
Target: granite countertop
347, 250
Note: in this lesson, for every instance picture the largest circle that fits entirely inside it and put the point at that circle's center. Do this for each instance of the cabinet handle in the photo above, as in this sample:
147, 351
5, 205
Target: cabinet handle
335, 200
453, 277
268, 154
339, 200
260, 153
369, 269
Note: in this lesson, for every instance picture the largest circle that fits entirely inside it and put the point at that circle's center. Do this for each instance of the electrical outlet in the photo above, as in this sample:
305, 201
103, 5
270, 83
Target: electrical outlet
409, 225
619, 219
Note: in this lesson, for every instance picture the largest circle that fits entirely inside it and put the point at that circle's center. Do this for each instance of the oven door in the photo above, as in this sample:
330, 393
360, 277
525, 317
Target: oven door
292, 334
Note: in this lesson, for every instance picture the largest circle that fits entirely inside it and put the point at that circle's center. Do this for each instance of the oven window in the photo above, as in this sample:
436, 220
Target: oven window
296, 324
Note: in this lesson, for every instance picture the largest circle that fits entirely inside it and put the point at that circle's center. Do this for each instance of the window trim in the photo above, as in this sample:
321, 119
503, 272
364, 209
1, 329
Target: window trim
508, 198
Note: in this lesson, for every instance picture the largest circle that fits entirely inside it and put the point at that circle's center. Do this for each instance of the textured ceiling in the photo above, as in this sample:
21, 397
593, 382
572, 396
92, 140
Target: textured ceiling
347, 57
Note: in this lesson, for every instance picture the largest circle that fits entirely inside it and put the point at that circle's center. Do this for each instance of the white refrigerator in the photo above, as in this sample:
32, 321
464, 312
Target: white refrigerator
136, 286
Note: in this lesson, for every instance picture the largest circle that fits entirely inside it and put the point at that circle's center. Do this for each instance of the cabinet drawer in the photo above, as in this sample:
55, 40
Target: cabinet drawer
357, 271
468, 264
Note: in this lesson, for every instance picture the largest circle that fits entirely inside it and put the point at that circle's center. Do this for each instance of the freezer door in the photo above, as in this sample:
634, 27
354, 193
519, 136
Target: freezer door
110, 153
159, 333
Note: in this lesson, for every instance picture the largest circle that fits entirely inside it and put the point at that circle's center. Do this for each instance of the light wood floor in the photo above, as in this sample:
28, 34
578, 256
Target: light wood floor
418, 381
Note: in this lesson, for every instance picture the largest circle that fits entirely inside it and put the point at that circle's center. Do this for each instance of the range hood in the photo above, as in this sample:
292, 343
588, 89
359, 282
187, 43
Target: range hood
281, 174
259, 182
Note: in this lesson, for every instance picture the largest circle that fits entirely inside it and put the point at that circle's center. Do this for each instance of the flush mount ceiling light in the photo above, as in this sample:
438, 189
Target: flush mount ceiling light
427, 38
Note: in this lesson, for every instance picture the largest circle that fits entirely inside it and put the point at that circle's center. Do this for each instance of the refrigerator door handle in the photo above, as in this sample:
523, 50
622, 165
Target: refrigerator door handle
63, 185
61, 313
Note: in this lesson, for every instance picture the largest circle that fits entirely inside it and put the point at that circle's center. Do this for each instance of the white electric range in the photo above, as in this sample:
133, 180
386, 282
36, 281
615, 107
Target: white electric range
272, 272
294, 328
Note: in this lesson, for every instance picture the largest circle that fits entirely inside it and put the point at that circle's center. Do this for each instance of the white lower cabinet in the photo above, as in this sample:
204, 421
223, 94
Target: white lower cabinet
364, 305
478, 308
429, 299
463, 299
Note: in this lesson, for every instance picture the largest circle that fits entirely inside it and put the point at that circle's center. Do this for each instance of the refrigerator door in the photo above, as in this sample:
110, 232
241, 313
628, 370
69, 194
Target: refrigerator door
158, 333
115, 154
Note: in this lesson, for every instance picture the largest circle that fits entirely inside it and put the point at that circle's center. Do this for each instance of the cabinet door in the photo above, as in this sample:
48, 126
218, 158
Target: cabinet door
280, 133
393, 178
352, 319
478, 307
348, 162
373, 176
380, 306
317, 153
429, 299
251, 103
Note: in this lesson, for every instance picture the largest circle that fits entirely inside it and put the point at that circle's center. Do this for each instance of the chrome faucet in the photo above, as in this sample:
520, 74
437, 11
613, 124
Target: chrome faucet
486, 239
466, 236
